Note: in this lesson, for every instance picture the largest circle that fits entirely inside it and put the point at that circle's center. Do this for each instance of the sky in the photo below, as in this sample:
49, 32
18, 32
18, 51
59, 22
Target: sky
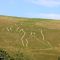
31, 8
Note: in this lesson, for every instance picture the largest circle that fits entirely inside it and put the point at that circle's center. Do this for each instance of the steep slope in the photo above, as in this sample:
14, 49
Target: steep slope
27, 35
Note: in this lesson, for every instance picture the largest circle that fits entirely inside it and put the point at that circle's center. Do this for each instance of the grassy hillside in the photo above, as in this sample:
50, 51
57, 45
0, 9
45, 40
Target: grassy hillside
35, 39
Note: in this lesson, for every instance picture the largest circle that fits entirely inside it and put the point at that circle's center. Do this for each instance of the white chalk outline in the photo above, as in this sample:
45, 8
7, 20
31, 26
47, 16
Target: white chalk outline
43, 38
34, 34
22, 37
17, 28
10, 29
7, 29
26, 42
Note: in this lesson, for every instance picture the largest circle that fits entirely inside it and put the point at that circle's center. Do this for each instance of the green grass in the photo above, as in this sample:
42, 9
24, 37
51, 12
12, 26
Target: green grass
37, 49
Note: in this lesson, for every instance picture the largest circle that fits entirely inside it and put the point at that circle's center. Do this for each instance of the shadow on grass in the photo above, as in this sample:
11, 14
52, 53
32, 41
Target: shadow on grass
19, 56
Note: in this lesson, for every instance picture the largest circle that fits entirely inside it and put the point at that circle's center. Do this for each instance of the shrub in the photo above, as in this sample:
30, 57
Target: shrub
4, 55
